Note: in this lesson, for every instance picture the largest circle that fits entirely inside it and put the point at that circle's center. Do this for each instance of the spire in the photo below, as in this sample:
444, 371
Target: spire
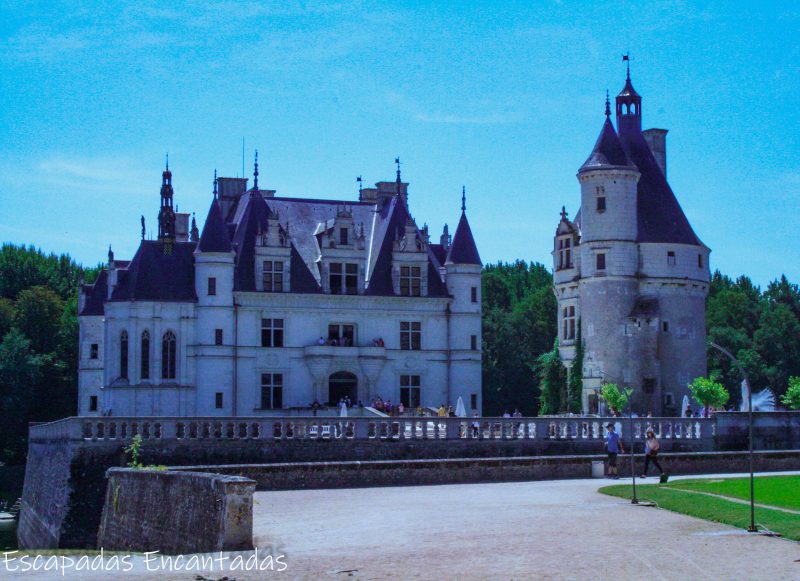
629, 103
110, 256
255, 174
398, 181
608, 105
143, 228
215, 183
193, 233
563, 212
166, 215
463, 199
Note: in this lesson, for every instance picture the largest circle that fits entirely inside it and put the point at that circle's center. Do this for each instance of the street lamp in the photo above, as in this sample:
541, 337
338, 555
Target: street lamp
752, 527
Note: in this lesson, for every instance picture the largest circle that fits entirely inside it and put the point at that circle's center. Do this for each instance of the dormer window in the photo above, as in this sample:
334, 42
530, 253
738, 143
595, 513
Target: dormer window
343, 237
671, 258
410, 281
273, 276
343, 278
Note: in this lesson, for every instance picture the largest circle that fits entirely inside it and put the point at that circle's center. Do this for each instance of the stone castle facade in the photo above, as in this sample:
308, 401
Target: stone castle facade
281, 302
630, 274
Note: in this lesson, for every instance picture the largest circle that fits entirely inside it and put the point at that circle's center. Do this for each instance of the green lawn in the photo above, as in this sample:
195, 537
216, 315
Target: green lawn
782, 491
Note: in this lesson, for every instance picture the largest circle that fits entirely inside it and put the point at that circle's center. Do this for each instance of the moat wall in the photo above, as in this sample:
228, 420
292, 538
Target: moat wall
176, 512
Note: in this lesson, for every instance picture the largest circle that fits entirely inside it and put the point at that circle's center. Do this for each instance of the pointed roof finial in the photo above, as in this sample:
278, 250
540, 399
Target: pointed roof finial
397, 161
608, 105
358, 179
215, 183
627, 58
255, 173
463, 198
168, 161
563, 212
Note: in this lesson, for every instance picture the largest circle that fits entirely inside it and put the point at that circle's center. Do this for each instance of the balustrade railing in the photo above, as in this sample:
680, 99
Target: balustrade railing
279, 429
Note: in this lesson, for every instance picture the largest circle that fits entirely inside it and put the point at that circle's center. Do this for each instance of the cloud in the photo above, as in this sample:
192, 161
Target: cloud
469, 112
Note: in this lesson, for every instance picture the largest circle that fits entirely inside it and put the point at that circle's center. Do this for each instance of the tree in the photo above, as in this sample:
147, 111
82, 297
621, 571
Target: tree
575, 381
708, 393
552, 381
6, 316
20, 369
791, 398
38, 315
616, 398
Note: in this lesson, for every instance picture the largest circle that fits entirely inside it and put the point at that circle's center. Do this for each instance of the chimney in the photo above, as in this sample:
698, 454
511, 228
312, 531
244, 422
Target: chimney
657, 141
181, 227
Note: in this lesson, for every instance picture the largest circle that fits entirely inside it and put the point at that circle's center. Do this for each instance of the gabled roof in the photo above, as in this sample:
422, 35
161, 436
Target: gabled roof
607, 151
463, 249
660, 217
155, 276
215, 234
95, 295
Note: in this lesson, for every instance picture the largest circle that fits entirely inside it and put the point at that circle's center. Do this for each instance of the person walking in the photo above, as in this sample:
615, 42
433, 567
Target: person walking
613, 447
651, 448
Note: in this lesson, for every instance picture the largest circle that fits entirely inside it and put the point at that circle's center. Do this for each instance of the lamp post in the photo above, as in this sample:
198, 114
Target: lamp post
752, 527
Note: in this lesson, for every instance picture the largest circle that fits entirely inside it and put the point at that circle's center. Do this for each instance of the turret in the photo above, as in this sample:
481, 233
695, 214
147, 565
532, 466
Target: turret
166, 215
629, 107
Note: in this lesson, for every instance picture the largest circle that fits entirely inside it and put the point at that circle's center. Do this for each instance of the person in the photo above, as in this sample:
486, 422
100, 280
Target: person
506, 414
400, 409
476, 425
688, 413
321, 340
517, 413
387, 407
649, 414
651, 448
613, 447
442, 411
450, 412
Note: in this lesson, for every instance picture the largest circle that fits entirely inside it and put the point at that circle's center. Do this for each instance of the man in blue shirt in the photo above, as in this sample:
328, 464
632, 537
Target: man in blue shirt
613, 447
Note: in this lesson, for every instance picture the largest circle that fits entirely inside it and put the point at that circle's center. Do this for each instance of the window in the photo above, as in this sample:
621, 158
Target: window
474, 294
564, 253
671, 258
669, 399
649, 384
212, 286
272, 332
410, 335
343, 237
92, 403
473, 401
473, 342
410, 281
568, 322
169, 347
343, 278
144, 367
341, 335
273, 276
217, 336
601, 204
94, 351
218, 400
123, 355
410, 391
601, 261
665, 326
271, 391
699, 261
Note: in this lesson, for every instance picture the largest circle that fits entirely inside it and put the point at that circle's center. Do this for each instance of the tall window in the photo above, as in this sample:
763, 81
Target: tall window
473, 294
473, 401
169, 347
671, 258
564, 253
217, 336
273, 276
212, 286
473, 342
218, 400
343, 237
272, 332
94, 351
123, 355
410, 335
144, 360
92, 403
342, 335
343, 278
409, 390
601, 261
271, 391
410, 281
601, 199
699, 261
568, 323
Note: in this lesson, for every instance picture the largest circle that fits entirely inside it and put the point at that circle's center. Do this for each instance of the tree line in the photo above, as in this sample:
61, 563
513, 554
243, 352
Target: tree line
521, 368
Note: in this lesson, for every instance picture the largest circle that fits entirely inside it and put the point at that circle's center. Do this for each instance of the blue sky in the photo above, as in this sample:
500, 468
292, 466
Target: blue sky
506, 98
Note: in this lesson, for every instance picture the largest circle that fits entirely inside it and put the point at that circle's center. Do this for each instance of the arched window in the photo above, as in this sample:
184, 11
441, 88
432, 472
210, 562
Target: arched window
123, 355
168, 352
144, 371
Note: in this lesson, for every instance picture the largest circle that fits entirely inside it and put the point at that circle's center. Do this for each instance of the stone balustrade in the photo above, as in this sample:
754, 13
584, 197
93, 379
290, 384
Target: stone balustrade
277, 429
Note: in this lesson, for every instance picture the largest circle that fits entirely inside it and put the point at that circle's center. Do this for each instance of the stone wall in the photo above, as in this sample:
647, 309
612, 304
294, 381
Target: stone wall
176, 512
311, 475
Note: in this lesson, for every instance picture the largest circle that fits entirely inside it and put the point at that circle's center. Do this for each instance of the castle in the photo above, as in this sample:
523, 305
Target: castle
281, 302
630, 274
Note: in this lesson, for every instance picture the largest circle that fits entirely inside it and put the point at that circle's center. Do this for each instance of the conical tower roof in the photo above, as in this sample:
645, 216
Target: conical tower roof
215, 234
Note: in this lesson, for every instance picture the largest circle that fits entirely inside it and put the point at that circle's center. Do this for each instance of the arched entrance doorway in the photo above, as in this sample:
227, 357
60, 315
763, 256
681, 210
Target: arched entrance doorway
342, 384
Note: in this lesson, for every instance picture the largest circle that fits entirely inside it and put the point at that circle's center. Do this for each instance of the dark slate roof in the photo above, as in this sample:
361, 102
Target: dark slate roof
628, 90
95, 295
215, 234
155, 276
608, 151
463, 249
440, 252
660, 217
